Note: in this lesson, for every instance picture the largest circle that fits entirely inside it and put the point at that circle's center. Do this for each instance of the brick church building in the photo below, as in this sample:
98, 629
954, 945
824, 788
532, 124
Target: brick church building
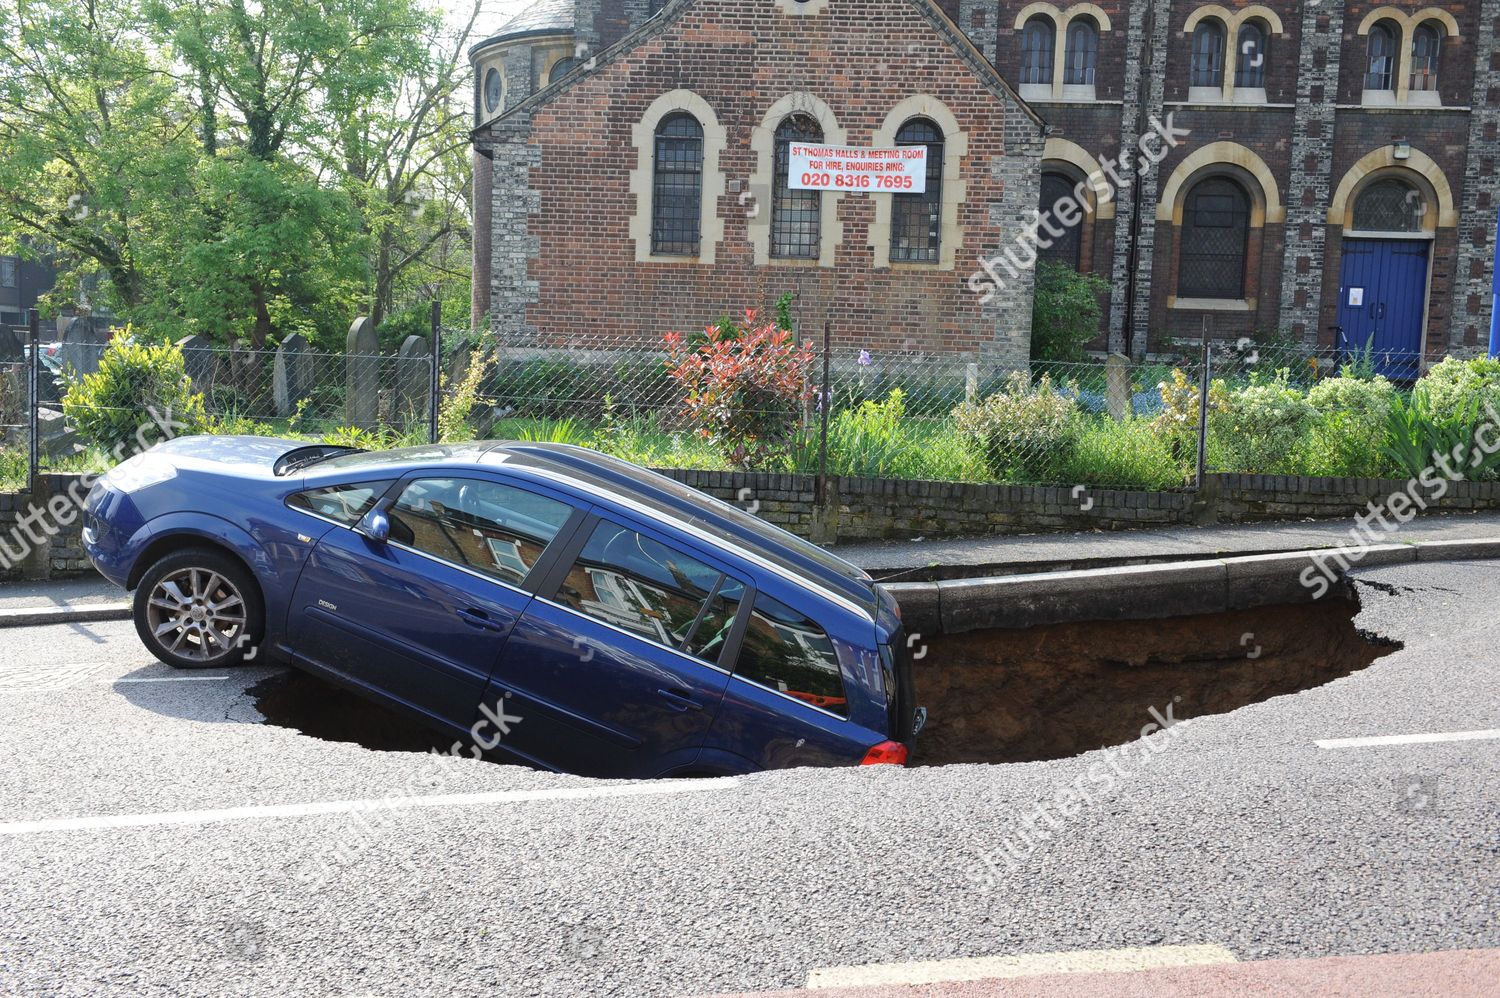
1331, 176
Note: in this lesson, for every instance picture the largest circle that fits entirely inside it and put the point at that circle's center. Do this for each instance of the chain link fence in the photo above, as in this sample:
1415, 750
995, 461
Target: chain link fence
1272, 407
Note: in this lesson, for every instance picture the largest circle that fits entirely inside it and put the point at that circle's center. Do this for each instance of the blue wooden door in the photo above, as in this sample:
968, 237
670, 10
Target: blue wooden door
1383, 301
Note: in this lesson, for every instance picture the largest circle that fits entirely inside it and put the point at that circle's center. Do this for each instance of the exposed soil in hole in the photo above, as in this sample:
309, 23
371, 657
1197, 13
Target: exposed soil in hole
321, 710
1053, 692
1005, 696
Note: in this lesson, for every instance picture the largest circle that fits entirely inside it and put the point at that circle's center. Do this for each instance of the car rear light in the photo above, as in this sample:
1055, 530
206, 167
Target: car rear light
885, 754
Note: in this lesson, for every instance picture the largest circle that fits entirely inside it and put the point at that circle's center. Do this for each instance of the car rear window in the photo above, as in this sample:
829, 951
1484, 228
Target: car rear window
787, 651
653, 590
496, 529
346, 504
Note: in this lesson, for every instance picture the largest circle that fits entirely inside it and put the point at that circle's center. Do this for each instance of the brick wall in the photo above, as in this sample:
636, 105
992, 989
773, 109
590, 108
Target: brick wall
563, 205
62, 554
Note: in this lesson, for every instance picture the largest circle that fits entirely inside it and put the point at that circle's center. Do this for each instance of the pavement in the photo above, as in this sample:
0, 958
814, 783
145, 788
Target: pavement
156, 837
968, 557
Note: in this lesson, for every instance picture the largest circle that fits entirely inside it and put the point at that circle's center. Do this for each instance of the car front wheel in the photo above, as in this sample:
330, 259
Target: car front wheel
198, 609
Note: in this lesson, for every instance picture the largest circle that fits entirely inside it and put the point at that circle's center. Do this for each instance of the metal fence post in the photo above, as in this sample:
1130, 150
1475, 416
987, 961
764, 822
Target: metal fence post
825, 403
1205, 373
437, 365
33, 399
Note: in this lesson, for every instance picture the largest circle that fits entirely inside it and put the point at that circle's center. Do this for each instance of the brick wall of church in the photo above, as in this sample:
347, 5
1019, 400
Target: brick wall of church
563, 204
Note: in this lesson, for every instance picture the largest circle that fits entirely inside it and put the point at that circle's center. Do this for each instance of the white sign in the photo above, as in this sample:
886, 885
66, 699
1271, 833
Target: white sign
1356, 297
844, 168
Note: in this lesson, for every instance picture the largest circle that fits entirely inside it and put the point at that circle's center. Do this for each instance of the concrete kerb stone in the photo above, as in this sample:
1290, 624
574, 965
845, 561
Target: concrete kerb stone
1459, 550
1180, 588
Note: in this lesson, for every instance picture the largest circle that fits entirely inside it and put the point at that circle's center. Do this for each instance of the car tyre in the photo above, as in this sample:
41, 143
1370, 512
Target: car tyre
199, 609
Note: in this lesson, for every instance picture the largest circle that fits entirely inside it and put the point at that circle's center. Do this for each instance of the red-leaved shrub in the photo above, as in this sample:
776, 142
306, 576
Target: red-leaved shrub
744, 389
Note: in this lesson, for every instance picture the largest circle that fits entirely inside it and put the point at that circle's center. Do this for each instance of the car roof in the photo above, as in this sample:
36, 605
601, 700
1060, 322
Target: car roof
611, 480
607, 480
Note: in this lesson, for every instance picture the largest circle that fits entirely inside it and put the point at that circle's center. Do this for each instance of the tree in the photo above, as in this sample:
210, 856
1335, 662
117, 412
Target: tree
1065, 312
96, 140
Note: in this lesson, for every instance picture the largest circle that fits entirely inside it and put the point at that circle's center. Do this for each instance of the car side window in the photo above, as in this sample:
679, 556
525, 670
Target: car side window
346, 504
645, 587
496, 529
785, 650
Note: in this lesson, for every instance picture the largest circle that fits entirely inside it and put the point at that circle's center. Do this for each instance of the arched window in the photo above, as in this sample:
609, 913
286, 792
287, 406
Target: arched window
796, 215
916, 219
1208, 55
1066, 249
493, 89
1382, 66
1426, 46
1081, 58
1038, 48
1215, 236
1389, 205
1250, 56
677, 186
561, 68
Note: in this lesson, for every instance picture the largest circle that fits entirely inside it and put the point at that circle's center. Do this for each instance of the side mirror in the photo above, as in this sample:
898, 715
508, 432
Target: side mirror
376, 526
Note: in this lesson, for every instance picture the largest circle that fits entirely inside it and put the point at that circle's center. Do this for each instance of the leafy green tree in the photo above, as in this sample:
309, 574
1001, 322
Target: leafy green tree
1065, 312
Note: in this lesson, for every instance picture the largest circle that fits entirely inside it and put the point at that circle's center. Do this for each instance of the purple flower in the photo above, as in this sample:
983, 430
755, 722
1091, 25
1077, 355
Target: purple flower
864, 358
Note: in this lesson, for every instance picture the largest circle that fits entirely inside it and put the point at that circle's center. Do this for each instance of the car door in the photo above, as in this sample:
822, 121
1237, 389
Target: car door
614, 669
422, 617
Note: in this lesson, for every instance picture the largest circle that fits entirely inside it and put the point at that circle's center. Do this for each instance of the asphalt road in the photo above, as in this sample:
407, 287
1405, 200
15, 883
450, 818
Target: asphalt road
156, 838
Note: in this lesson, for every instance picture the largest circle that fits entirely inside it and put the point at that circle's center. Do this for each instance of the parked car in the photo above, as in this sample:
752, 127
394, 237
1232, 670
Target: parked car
625, 624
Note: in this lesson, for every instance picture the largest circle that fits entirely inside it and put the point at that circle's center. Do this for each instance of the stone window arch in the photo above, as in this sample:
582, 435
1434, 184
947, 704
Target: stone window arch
1059, 50
1209, 221
1412, 167
760, 200
1242, 75
677, 181
954, 190
1402, 54
562, 67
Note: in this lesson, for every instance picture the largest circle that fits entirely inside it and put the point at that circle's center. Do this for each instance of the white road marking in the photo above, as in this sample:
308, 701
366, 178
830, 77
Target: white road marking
985, 968
255, 813
1440, 736
170, 679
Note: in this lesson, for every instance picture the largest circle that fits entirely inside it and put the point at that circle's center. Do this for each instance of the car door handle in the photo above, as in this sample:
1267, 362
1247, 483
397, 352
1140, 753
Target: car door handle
679, 700
479, 619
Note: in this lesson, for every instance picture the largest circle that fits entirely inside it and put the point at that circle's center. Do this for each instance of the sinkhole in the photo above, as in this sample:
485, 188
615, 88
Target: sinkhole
997, 696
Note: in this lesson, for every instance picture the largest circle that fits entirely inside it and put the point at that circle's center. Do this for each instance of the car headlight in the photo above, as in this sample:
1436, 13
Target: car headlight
139, 472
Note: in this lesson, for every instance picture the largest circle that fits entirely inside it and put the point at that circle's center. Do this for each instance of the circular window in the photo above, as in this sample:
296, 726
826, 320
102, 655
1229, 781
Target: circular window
492, 90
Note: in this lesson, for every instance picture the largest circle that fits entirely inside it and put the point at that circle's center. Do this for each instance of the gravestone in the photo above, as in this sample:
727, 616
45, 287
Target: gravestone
82, 346
291, 382
199, 360
362, 379
413, 376
12, 346
1117, 380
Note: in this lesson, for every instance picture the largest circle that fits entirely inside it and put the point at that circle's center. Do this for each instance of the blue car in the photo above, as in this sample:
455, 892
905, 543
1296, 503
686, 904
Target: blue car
542, 603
